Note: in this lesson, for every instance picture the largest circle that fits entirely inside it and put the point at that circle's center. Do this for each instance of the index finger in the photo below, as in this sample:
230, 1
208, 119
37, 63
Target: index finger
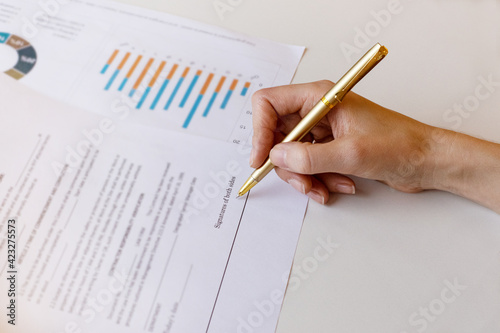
270, 104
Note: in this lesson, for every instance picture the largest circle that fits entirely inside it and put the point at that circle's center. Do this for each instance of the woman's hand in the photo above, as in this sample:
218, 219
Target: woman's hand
361, 138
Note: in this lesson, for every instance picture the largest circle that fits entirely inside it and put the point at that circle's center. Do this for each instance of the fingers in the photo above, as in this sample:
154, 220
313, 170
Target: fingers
318, 187
288, 103
337, 183
305, 184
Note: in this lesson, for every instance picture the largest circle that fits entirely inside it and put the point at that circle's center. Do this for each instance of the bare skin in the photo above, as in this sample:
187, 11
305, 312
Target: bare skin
361, 138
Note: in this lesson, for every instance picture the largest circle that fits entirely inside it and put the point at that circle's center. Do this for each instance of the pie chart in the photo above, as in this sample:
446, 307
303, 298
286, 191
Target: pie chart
25, 52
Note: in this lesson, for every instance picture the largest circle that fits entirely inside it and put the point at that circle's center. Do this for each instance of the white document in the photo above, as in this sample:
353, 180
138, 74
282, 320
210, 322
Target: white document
173, 72
124, 228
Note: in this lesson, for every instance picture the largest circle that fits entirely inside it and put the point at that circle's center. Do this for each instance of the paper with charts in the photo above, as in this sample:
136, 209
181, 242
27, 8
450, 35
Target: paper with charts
115, 227
175, 73
124, 218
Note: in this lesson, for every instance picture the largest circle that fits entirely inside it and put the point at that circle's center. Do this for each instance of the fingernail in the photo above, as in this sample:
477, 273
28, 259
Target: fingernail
345, 188
278, 156
316, 197
297, 185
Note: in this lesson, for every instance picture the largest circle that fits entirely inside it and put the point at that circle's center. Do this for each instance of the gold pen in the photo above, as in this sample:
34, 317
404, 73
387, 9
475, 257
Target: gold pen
329, 100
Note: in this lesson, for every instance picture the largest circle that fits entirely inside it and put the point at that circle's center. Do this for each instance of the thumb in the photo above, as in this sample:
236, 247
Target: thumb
307, 158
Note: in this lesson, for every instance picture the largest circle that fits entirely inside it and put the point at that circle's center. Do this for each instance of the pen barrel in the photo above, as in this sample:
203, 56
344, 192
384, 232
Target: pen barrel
302, 128
335, 95
309, 121
261, 172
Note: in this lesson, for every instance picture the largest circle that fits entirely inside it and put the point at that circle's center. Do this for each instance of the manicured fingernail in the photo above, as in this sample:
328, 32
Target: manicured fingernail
316, 197
345, 188
297, 185
278, 156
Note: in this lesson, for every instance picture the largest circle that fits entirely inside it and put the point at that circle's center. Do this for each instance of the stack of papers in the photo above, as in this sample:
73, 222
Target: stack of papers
125, 218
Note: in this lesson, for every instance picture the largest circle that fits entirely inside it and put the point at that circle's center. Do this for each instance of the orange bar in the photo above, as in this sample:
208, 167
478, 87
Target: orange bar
185, 73
234, 84
221, 83
143, 74
153, 80
198, 73
131, 71
112, 58
172, 72
247, 85
120, 67
207, 83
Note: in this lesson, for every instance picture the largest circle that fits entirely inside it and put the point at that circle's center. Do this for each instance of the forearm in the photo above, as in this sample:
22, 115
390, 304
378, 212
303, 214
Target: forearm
466, 166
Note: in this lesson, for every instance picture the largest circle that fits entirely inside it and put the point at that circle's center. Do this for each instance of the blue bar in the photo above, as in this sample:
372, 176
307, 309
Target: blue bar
226, 100
192, 112
132, 92
244, 91
105, 69
174, 93
124, 82
188, 92
158, 96
115, 74
209, 106
144, 96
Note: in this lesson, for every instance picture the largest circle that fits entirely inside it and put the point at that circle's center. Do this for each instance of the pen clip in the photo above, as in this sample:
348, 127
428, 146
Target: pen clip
362, 67
364, 70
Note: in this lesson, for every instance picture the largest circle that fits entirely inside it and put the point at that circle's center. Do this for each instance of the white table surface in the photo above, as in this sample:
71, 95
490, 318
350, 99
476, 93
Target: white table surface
395, 254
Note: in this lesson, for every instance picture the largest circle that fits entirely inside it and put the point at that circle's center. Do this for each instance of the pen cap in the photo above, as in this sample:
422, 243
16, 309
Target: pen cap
357, 72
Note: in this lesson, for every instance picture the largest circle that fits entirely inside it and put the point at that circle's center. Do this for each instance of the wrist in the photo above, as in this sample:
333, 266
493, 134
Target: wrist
448, 165
465, 166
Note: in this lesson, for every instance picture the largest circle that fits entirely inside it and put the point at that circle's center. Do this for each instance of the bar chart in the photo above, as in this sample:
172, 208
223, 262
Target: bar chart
158, 84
